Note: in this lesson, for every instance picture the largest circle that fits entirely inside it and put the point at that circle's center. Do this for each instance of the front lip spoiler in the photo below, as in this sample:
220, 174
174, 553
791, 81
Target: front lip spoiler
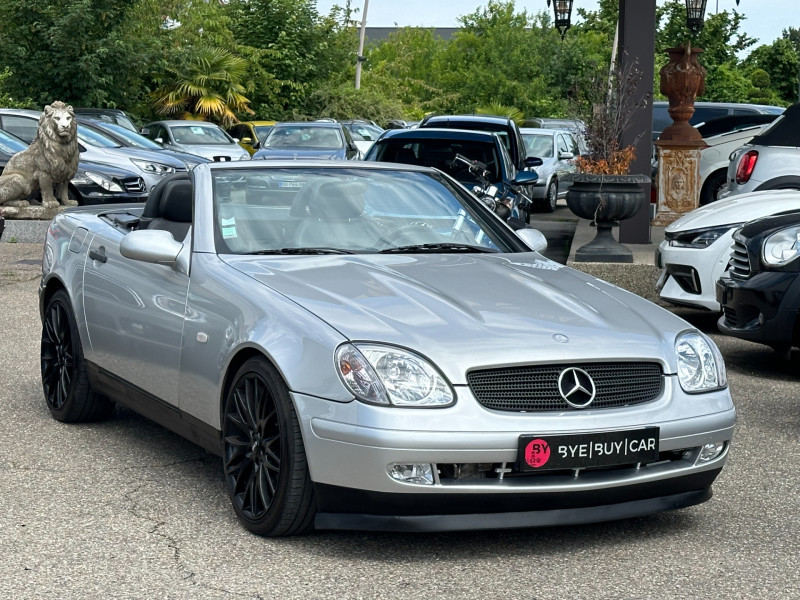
511, 520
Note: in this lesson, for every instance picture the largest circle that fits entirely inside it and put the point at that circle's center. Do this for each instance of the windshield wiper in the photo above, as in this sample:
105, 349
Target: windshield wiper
441, 247
303, 251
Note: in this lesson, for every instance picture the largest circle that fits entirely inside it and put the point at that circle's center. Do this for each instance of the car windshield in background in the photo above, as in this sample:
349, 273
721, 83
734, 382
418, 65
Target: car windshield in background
538, 145
94, 138
134, 139
322, 211
363, 132
440, 154
307, 138
262, 131
10, 144
198, 135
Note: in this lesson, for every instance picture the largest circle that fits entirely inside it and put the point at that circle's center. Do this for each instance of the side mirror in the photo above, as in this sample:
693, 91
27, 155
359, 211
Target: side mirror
533, 238
526, 178
565, 156
245, 140
533, 161
159, 140
151, 246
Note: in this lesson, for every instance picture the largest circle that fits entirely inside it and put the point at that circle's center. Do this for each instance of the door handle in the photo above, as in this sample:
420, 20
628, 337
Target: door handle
99, 254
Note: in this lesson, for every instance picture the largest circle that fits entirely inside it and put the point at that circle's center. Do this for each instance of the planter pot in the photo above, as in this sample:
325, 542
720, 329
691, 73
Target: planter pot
606, 200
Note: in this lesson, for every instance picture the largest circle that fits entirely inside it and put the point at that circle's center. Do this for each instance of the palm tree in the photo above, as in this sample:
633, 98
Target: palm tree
208, 88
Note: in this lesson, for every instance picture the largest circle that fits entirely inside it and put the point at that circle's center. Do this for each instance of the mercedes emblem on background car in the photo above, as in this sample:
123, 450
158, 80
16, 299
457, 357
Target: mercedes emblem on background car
576, 387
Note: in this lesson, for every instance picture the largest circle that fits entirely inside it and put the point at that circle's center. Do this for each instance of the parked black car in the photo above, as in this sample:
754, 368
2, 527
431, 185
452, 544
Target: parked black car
439, 147
760, 295
94, 183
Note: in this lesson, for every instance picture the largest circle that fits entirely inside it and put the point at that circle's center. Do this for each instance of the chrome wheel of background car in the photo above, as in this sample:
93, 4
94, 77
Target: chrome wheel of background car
65, 381
263, 453
551, 199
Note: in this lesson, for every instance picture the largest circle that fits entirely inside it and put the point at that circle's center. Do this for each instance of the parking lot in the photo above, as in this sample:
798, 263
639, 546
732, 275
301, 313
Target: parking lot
126, 509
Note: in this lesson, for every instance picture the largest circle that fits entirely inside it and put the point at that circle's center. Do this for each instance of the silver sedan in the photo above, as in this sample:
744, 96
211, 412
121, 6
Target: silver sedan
557, 148
367, 346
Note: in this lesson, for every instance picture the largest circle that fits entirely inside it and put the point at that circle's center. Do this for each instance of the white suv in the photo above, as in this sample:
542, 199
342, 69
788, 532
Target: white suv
771, 161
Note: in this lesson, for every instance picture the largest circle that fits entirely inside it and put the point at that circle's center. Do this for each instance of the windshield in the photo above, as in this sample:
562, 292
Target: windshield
305, 137
10, 144
341, 210
262, 131
538, 144
93, 137
131, 137
199, 135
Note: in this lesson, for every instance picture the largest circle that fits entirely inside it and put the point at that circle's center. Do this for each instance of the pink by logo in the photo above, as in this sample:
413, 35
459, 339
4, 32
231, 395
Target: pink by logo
537, 453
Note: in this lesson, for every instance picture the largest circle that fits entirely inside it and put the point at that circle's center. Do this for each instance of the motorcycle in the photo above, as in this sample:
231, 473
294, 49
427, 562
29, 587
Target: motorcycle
511, 203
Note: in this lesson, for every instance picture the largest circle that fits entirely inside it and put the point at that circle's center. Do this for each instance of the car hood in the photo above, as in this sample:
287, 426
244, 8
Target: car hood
297, 154
738, 209
466, 310
140, 154
211, 151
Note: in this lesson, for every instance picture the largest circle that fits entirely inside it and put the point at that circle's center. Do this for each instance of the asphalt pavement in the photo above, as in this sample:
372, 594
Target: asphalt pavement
126, 509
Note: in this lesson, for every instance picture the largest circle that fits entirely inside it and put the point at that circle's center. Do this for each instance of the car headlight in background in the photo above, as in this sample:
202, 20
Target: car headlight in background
391, 376
700, 364
87, 177
782, 246
700, 238
148, 166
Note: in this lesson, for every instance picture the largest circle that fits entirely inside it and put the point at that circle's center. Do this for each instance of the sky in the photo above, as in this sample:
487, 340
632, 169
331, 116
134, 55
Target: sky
760, 23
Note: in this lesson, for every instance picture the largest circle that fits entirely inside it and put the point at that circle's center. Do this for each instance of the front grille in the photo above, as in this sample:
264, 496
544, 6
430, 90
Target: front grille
739, 263
134, 185
730, 316
535, 387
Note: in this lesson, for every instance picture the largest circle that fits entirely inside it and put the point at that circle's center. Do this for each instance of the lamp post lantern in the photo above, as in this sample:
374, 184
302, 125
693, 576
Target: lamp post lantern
695, 15
563, 12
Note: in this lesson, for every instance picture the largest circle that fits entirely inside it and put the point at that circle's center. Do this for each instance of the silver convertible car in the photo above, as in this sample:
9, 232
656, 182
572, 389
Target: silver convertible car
367, 346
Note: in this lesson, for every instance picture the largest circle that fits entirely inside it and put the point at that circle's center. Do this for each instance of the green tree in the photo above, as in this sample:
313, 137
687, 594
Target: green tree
208, 88
781, 62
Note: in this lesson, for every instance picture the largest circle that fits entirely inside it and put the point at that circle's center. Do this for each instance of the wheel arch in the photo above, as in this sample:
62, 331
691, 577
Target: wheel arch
786, 182
51, 286
241, 356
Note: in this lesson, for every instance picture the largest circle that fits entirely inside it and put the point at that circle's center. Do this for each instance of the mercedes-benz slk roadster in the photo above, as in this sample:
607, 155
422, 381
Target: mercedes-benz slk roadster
367, 346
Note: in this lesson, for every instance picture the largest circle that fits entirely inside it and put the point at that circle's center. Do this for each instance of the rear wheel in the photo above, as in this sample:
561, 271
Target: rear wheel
67, 391
263, 454
551, 198
712, 187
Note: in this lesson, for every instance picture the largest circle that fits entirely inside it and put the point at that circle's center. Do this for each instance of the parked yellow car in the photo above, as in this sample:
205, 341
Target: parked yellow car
250, 133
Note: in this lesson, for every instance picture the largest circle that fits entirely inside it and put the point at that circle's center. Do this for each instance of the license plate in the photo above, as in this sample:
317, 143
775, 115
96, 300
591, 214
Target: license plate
290, 184
584, 450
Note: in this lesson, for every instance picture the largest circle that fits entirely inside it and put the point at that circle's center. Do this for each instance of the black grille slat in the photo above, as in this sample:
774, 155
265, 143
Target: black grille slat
134, 184
739, 263
535, 387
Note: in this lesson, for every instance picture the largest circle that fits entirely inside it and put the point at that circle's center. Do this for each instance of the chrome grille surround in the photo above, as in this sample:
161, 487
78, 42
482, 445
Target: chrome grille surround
534, 388
134, 184
739, 263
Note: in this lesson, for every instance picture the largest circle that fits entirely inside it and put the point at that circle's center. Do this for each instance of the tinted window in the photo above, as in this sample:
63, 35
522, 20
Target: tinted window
22, 127
703, 114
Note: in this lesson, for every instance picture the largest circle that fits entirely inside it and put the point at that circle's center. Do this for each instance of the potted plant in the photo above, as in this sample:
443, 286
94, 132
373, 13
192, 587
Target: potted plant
602, 188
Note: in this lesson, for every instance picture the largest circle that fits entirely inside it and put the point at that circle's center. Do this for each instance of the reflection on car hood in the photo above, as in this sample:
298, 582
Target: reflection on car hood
462, 310
297, 154
738, 209
212, 150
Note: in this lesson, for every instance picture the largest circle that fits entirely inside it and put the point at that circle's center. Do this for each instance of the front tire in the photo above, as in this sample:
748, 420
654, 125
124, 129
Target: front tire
712, 187
65, 381
263, 454
550, 200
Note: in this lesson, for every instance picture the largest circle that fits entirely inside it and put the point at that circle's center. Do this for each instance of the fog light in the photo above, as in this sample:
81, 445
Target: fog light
421, 474
710, 451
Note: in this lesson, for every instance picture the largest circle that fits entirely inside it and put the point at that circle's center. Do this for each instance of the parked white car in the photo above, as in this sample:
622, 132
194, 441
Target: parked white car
696, 248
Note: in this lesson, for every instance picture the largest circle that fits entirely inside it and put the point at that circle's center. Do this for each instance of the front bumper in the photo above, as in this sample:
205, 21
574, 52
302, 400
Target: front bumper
763, 308
689, 274
474, 452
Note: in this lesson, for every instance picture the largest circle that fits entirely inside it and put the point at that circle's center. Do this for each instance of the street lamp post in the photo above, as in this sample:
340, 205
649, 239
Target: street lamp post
361, 36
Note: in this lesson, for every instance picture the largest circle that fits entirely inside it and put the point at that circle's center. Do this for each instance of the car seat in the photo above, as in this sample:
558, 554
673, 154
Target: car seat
169, 206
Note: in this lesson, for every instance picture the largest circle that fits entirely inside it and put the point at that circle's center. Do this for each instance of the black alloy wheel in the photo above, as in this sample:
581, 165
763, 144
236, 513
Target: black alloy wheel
712, 187
263, 454
65, 382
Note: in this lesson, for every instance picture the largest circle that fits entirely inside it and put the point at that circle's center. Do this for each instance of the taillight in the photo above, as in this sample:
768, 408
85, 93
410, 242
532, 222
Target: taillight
746, 165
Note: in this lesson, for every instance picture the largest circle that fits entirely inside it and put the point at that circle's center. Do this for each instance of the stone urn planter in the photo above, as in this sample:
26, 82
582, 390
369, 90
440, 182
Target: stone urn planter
605, 200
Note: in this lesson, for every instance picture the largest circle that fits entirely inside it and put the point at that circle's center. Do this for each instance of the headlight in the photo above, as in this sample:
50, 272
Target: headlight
155, 168
782, 246
104, 182
245, 156
700, 364
700, 238
391, 376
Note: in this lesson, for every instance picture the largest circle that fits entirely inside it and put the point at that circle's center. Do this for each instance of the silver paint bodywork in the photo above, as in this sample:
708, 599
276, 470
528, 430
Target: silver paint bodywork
173, 330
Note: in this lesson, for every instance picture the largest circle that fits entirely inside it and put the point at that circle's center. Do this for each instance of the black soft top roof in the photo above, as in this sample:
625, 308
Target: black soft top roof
784, 131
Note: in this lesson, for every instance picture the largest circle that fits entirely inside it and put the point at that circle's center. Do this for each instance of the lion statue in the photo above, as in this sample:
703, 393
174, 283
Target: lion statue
50, 160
